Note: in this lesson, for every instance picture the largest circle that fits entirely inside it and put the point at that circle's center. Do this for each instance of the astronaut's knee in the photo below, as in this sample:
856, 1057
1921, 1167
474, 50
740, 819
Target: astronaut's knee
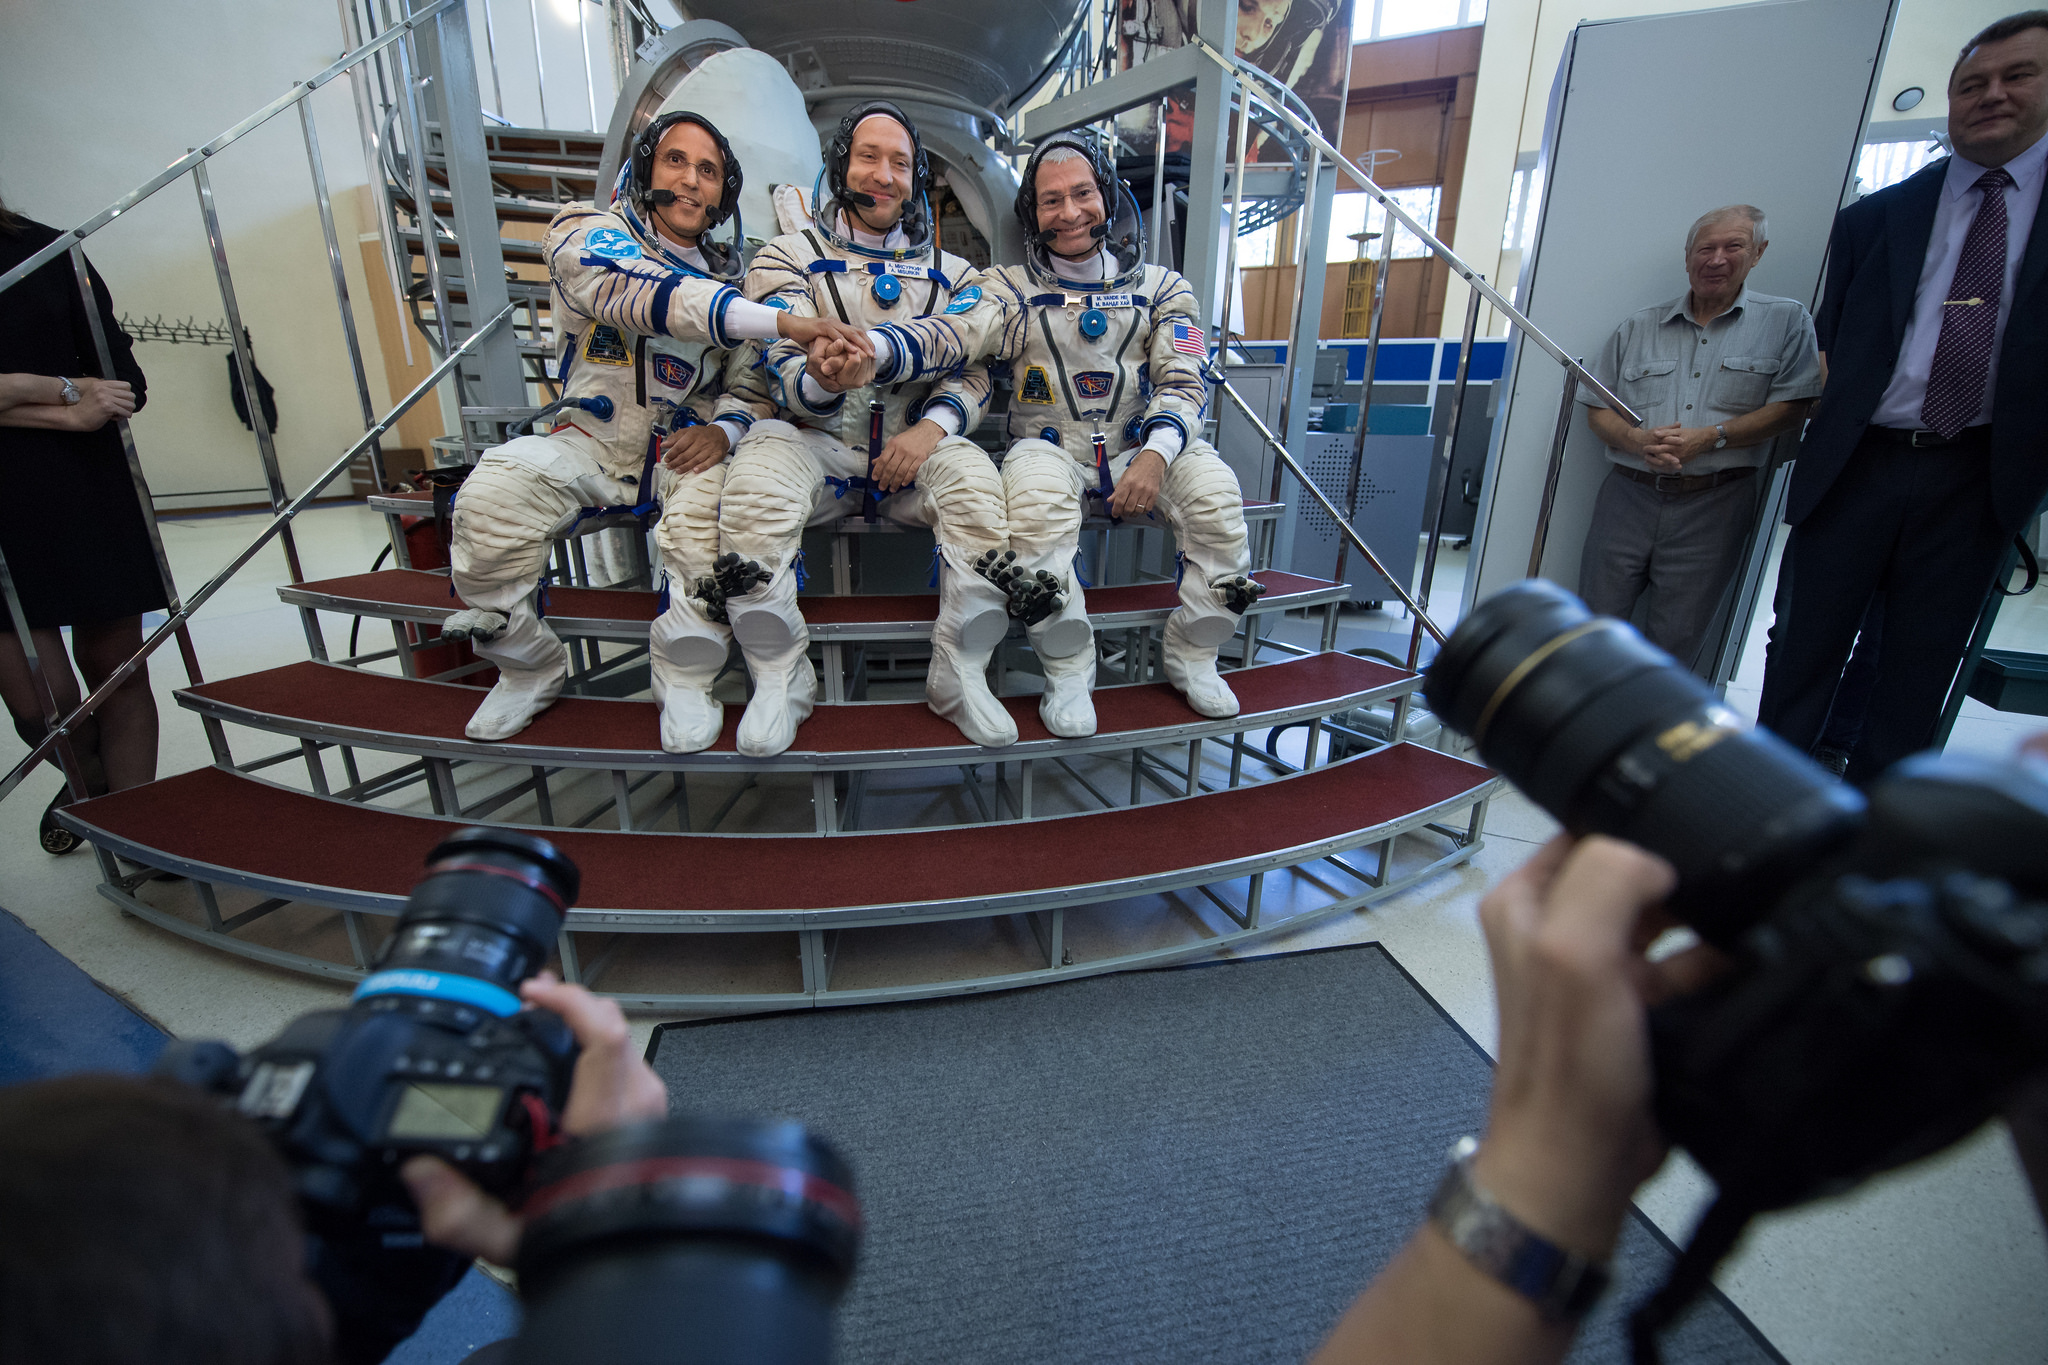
770, 488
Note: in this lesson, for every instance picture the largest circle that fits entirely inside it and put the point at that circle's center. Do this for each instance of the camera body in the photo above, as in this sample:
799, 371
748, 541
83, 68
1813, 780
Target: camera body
349, 1095
434, 1055
1890, 953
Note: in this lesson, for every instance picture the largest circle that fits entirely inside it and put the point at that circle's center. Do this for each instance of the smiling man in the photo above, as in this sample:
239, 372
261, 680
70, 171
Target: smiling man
871, 262
1926, 453
650, 342
1715, 374
1098, 344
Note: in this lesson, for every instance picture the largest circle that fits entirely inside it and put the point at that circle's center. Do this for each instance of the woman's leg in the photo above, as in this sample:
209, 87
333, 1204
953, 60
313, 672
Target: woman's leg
25, 701
127, 719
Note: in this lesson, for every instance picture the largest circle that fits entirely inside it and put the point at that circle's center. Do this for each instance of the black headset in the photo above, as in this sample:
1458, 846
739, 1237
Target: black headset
841, 154
642, 191
1106, 184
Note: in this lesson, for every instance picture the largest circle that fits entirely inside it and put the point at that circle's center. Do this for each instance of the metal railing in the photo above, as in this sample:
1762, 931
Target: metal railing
449, 22
1257, 87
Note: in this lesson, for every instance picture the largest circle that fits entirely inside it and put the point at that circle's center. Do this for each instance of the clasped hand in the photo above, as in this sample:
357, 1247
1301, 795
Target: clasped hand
1666, 449
839, 366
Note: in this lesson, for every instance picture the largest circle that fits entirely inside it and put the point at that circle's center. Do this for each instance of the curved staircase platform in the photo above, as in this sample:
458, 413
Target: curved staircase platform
330, 703
420, 595
358, 858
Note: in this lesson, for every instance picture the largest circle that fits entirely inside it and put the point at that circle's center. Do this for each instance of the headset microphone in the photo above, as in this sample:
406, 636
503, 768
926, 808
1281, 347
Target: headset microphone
866, 201
661, 198
1045, 238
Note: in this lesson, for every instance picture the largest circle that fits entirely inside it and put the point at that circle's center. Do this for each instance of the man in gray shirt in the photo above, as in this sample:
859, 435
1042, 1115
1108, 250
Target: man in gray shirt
1715, 373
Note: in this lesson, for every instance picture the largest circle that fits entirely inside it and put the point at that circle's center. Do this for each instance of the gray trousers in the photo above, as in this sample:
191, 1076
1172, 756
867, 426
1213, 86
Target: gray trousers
1675, 552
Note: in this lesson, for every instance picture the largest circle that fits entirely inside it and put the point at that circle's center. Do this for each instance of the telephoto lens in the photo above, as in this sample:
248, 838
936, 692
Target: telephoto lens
1611, 736
483, 919
687, 1240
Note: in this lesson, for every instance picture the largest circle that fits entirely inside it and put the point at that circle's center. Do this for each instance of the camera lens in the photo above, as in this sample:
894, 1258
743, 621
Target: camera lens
483, 920
692, 1239
1607, 733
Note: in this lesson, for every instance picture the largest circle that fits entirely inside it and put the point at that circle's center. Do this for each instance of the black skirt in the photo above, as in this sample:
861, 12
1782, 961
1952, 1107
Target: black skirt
71, 525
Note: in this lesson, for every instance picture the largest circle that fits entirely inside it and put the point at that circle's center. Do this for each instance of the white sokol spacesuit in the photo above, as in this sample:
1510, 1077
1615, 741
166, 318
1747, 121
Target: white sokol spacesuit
641, 324
1114, 347
810, 466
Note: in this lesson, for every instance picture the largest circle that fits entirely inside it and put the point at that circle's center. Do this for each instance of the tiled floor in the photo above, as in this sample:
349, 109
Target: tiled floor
1946, 1262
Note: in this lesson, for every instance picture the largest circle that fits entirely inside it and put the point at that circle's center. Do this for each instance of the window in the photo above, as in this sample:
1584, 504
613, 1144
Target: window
1358, 211
1256, 248
1376, 19
1887, 163
1525, 198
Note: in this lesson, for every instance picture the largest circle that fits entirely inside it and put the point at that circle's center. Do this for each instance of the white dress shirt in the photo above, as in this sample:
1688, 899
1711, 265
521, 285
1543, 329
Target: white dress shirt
1960, 200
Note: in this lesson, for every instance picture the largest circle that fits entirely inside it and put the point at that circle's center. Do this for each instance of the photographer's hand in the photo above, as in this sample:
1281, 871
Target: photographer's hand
1570, 1134
612, 1086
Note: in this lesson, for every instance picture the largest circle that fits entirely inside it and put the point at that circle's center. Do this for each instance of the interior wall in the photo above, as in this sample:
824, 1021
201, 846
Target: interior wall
96, 98
1524, 39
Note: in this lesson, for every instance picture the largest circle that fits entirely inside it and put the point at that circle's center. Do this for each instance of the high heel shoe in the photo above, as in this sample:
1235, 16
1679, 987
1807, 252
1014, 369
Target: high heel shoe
56, 839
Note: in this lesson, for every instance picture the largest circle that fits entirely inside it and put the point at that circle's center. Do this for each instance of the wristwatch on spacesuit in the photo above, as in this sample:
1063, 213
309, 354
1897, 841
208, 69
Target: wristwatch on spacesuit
71, 394
1562, 1284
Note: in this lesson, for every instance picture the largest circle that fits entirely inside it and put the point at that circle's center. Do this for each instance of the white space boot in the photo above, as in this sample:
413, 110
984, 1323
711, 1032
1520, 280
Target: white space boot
1065, 645
777, 645
686, 650
974, 617
533, 663
1193, 635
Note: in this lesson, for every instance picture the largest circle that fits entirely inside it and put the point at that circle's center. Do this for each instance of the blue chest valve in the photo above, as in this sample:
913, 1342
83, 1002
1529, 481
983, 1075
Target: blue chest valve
1094, 323
887, 289
599, 406
1051, 434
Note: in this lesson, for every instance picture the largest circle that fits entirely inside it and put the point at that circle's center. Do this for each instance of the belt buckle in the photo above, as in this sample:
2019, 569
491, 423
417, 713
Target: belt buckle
1678, 486
1936, 439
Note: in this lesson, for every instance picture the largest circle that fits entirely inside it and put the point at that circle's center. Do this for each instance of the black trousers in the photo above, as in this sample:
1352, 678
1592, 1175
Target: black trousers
1917, 526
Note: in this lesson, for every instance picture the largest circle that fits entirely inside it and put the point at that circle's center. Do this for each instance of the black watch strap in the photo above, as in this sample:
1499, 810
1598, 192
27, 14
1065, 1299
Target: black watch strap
1562, 1284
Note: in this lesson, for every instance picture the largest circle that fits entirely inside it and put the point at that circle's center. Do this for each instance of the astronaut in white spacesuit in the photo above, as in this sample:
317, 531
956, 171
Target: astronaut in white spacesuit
1098, 344
651, 335
871, 261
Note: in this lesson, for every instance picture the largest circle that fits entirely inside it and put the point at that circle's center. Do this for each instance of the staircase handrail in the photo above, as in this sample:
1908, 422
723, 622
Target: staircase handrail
1343, 525
63, 729
1245, 71
184, 164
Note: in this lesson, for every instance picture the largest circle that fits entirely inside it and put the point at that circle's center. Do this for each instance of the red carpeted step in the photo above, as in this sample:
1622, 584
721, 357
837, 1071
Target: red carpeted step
355, 706
209, 821
415, 595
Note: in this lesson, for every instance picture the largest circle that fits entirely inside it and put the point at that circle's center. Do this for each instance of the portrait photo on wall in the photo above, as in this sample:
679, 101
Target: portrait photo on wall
1306, 43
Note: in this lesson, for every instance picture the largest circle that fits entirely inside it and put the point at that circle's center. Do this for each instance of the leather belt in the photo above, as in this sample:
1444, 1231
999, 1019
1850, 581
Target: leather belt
1927, 440
1685, 483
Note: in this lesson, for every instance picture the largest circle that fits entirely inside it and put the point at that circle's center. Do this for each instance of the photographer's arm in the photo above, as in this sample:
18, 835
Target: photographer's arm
1570, 1135
612, 1086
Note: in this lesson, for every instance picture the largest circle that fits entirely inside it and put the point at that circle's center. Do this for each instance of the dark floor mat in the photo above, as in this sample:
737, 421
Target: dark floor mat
1200, 1164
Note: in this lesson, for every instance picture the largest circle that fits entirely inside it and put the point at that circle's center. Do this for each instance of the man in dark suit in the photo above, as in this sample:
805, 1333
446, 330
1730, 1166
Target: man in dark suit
1928, 448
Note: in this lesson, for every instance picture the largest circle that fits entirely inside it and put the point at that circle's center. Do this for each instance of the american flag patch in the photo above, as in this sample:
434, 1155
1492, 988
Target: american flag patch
1187, 339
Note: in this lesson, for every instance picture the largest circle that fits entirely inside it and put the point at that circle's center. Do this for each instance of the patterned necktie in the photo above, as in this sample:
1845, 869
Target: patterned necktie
1969, 316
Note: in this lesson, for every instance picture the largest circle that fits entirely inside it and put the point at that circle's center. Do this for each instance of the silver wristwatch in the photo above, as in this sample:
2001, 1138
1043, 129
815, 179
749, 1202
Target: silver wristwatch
1723, 436
1562, 1284
71, 393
